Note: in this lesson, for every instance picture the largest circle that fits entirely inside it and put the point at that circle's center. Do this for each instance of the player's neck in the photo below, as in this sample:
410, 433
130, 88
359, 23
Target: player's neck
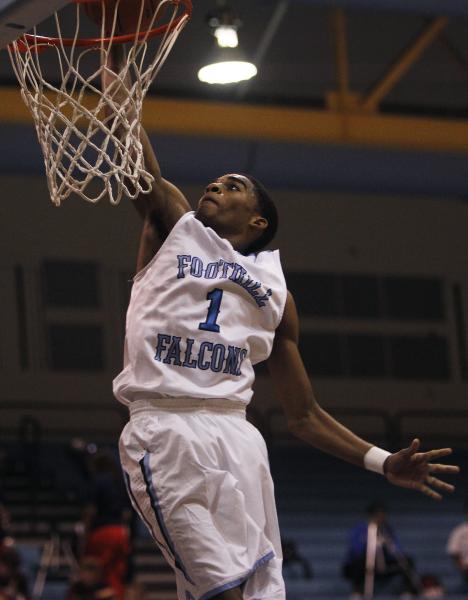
237, 240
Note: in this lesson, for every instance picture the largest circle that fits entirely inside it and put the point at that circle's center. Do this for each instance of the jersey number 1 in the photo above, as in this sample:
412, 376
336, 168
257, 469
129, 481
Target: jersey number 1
210, 324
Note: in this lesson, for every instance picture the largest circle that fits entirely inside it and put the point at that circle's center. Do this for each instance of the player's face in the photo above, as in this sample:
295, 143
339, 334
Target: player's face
228, 205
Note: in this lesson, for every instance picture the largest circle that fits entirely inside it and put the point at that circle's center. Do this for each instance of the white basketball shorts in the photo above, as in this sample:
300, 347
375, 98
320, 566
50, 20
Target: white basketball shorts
200, 480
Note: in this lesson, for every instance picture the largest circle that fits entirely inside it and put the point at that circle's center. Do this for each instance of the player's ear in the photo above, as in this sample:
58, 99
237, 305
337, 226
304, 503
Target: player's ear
259, 223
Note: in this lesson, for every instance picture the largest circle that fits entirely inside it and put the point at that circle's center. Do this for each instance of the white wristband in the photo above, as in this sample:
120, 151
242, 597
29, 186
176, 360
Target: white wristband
374, 459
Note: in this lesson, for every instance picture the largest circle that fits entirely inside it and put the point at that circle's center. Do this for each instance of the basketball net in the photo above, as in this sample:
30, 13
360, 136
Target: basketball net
89, 134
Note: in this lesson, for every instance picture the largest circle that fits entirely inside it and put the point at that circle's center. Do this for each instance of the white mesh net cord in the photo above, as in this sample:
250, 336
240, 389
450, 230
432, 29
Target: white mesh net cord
90, 134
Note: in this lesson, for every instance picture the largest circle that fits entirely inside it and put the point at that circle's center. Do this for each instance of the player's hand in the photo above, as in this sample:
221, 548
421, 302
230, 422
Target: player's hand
411, 469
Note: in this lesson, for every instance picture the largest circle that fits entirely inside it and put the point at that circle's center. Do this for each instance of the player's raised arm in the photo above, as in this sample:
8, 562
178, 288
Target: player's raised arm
163, 206
165, 199
309, 422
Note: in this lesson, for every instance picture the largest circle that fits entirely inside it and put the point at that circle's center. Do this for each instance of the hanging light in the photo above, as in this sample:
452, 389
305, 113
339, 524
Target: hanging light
228, 63
227, 72
226, 36
227, 69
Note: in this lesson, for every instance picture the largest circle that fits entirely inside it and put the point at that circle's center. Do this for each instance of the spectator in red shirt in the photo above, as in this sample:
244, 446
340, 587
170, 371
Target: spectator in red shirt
106, 519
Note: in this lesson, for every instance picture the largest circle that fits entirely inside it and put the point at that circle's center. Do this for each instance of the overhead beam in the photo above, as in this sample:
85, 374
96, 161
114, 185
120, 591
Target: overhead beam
239, 121
341, 53
404, 62
342, 99
455, 53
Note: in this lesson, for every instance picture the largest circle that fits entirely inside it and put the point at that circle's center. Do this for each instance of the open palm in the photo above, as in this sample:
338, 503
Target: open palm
412, 469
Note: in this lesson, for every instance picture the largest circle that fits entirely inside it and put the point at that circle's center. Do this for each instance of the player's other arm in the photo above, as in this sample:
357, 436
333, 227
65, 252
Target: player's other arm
309, 422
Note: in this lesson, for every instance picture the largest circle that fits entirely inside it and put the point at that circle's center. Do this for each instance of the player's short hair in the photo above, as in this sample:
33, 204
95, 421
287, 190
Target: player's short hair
268, 211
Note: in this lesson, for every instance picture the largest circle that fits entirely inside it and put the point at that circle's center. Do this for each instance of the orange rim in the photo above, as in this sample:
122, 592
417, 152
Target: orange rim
40, 40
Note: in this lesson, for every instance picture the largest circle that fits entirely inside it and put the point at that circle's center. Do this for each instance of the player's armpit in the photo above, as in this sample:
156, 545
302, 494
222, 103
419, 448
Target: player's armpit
150, 242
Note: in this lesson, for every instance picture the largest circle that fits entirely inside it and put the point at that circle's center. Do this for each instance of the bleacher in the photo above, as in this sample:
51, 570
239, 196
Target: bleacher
319, 500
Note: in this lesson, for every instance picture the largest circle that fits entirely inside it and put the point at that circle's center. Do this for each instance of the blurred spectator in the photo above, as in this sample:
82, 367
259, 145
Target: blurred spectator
294, 565
106, 518
79, 453
4, 522
13, 584
392, 566
90, 583
431, 587
457, 547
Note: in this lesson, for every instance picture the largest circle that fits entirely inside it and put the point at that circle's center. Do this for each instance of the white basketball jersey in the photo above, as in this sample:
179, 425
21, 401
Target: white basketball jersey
200, 316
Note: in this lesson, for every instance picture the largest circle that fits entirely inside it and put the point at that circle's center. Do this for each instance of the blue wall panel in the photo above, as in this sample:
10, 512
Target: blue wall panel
290, 166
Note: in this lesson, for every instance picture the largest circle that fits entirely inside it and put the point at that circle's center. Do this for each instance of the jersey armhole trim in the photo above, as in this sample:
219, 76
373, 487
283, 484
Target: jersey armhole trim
278, 258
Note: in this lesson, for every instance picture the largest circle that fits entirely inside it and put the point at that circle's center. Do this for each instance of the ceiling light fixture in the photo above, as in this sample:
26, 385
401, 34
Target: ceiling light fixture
228, 64
227, 71
226, 36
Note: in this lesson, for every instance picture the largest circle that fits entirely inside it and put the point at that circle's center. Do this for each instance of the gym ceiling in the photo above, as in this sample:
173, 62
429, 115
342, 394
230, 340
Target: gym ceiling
362, 95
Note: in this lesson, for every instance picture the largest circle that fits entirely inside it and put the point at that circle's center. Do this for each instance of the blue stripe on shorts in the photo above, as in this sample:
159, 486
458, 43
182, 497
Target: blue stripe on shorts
241, 580
141, 513
155, 505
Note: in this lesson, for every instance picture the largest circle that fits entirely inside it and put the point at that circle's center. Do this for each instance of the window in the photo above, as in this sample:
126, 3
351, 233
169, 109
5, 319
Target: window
330, 295
316, 294
420, 357
73, 313
366, 355
322, 354
361, 296
75, 347
72, 284
414, 298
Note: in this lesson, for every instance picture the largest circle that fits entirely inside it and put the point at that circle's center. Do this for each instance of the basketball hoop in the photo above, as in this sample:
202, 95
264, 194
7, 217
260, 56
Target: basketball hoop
89, 134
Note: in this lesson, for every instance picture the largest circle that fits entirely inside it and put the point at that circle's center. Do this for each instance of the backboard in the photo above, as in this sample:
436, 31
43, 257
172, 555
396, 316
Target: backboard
19, 16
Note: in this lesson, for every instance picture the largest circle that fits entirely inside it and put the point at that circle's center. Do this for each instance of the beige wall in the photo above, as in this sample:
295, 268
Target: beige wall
319, 232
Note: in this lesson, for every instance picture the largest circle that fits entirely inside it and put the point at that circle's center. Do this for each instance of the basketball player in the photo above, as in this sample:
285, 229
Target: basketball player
207, 304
